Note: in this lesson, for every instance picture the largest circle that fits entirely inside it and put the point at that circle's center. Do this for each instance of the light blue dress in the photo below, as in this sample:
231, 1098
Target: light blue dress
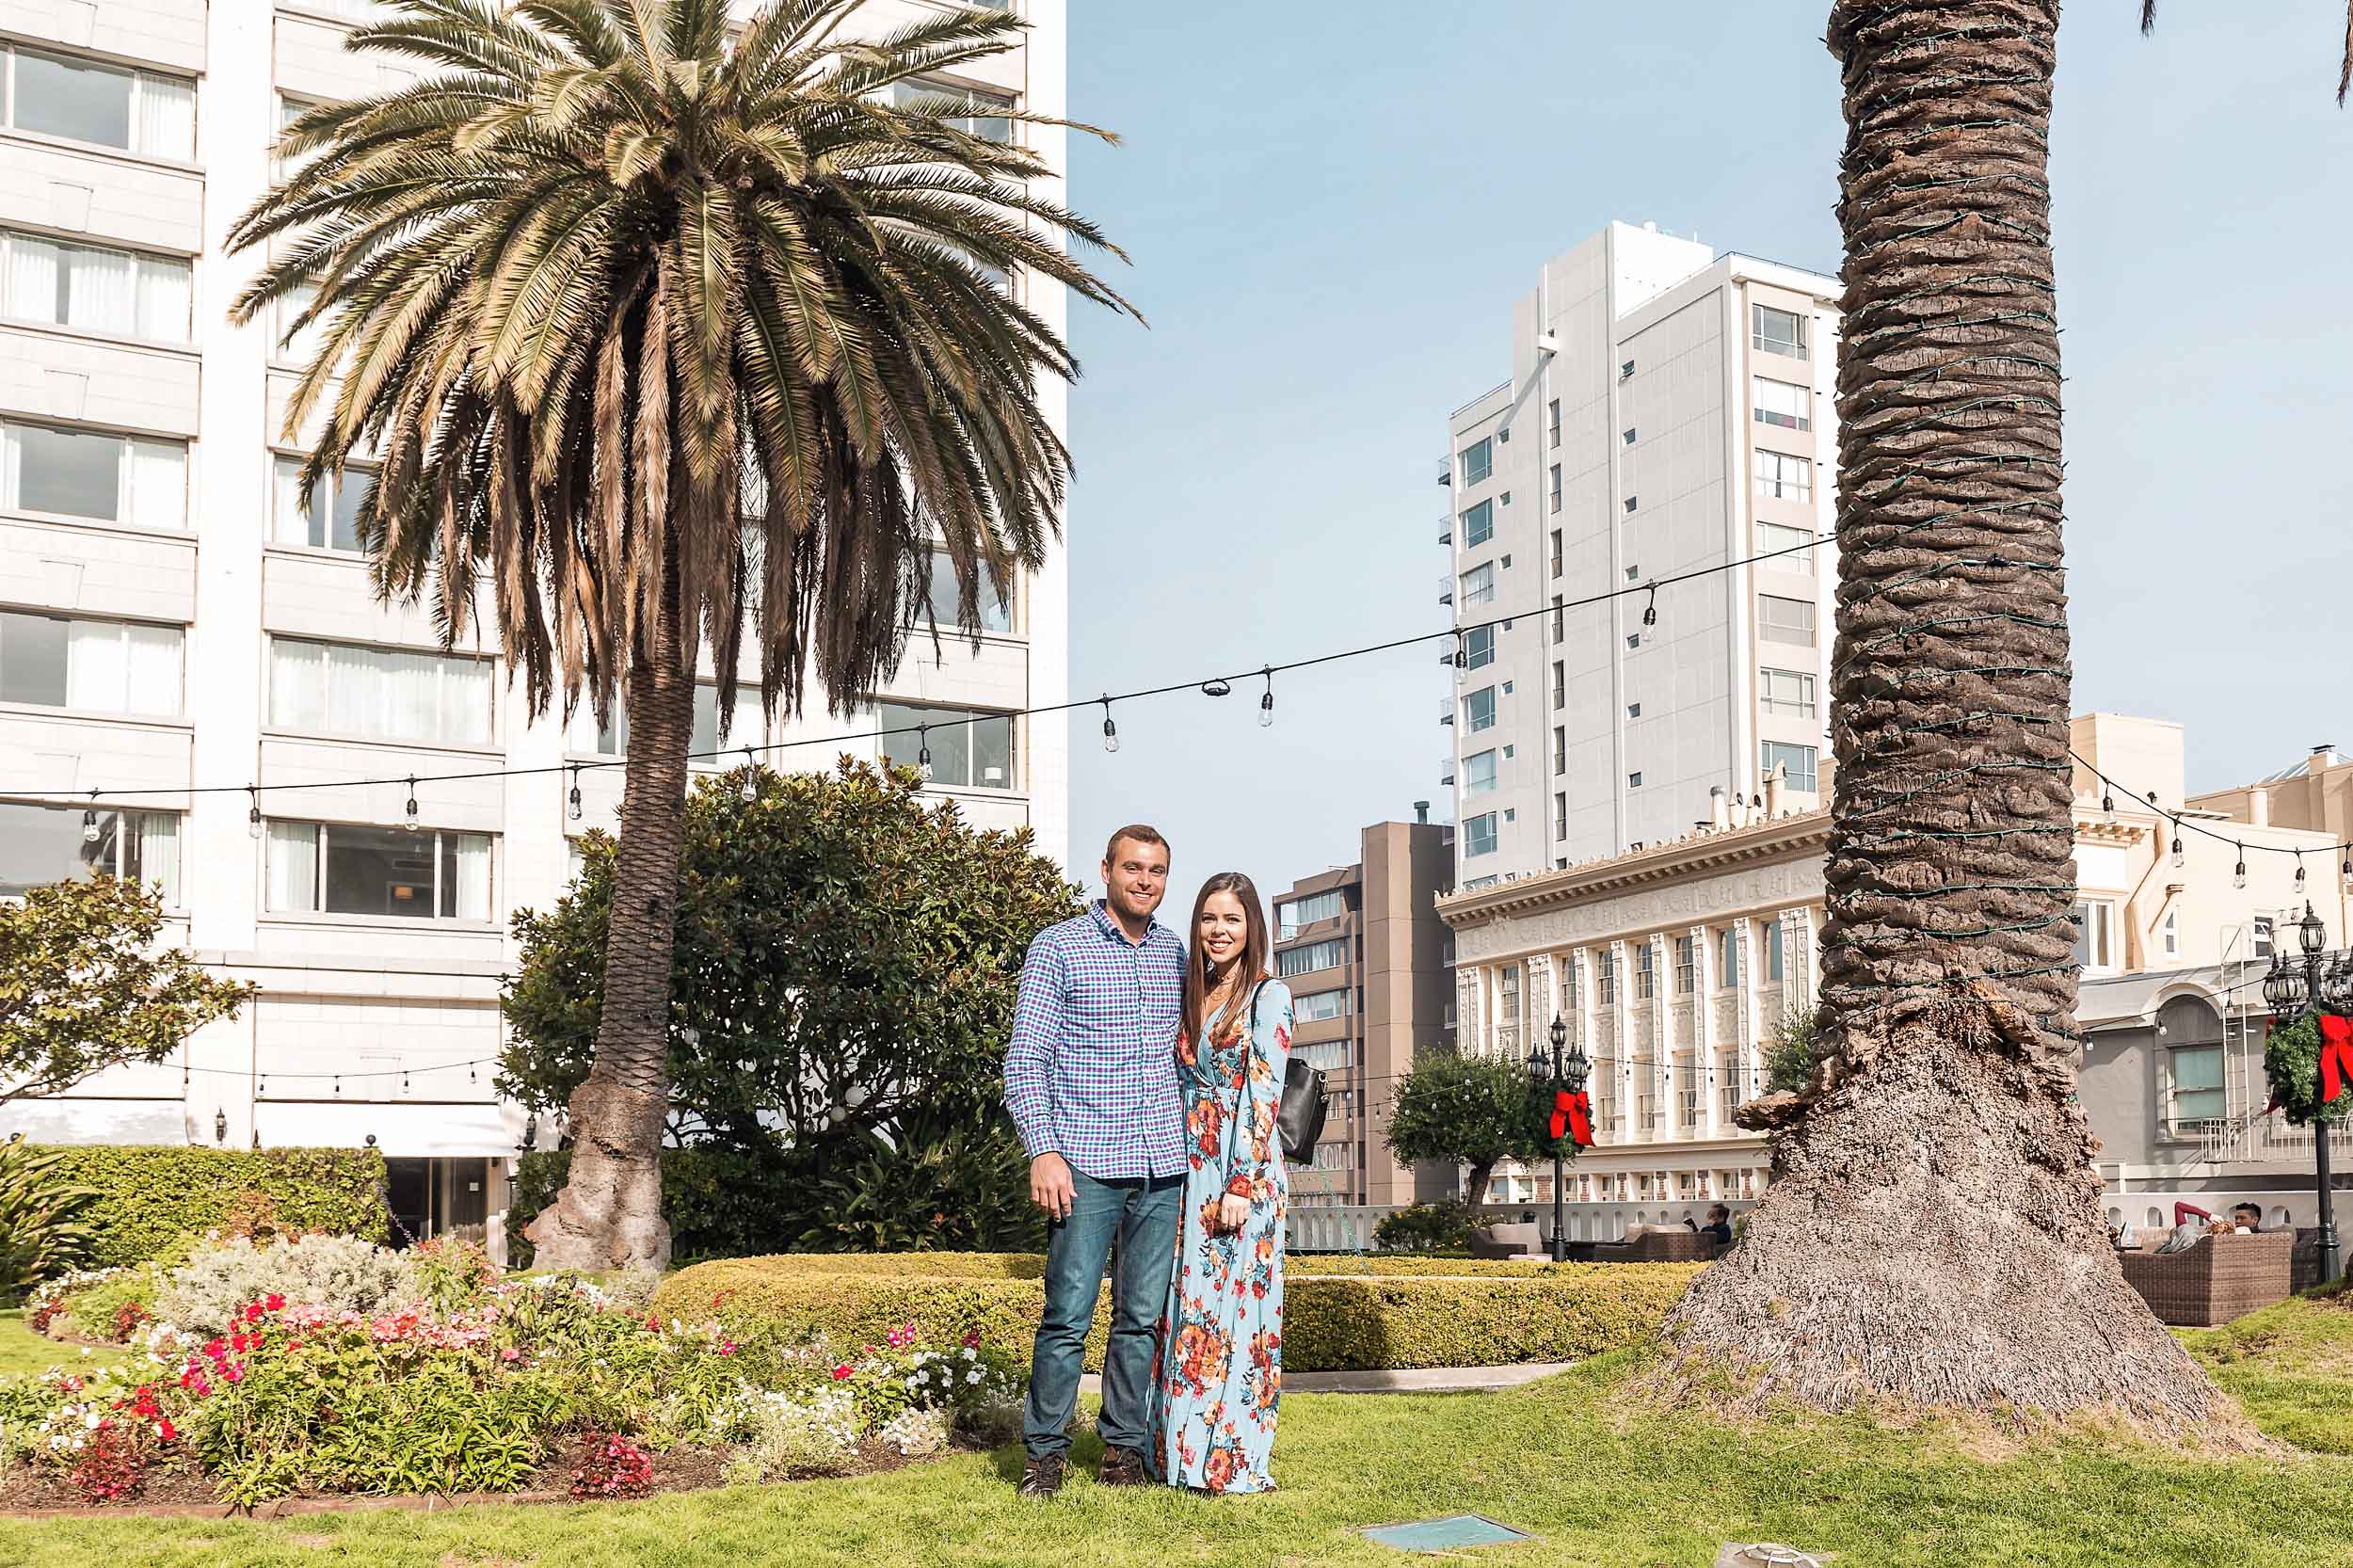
1218, 1360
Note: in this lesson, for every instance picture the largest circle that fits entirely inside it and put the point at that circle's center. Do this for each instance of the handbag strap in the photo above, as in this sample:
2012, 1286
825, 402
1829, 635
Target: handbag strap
1249, 1083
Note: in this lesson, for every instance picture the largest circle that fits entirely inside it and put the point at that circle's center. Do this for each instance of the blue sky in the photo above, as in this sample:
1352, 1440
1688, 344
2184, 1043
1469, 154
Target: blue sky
1331, 208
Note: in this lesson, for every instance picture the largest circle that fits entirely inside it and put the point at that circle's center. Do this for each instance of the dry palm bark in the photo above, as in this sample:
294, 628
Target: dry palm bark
1933, 1234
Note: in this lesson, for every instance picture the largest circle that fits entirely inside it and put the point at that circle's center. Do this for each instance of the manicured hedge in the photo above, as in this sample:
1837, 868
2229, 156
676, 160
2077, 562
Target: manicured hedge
150, 1196
1020, 1265
1329, 1324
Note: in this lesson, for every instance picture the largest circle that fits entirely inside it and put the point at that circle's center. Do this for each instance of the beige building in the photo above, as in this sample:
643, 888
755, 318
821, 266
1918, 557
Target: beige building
1365, 954
1671, 966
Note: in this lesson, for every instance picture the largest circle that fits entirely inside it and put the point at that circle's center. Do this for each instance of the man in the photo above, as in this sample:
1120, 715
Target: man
1091, 1081
1719, 1227
2247, 1216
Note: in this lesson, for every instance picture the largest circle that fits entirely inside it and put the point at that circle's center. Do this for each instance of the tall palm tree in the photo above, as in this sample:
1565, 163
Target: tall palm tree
1934, 1232
668, 336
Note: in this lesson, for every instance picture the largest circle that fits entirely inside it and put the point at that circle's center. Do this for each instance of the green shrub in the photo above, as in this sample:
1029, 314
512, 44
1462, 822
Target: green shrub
342, 1274
41, 1210
1027, 1264
1330, 1324
152, 1198
1428, 1228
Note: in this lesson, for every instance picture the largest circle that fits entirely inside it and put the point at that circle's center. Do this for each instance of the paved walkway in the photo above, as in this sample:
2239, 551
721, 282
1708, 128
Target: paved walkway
1418, 1380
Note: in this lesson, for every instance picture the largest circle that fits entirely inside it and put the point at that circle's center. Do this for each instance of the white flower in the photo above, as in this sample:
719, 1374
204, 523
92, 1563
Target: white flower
91, 1420
972, 1376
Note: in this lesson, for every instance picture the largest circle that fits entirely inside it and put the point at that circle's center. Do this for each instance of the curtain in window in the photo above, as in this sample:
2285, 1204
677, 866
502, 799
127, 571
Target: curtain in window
354, 686
11, 466
96, 674
163, 303
473, 875
293, 522
293, 866
466, 701
32, 279
102, 288
166, 117
413, 696
297, 686
158, 843
159, 484
153, 668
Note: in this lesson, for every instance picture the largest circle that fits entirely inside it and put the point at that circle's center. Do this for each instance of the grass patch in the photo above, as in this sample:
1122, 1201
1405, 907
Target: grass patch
1560, 1458
21, 1351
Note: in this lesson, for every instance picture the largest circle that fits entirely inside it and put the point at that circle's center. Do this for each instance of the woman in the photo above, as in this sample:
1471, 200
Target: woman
1218, 1374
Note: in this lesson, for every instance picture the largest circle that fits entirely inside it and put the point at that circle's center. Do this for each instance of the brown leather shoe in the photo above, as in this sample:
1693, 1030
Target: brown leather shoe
1042, 1476
1121, 1468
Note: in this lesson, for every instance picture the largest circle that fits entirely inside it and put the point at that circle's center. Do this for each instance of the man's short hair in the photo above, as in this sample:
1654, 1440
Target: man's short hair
2255, 1208
1137, 832
1715, 1209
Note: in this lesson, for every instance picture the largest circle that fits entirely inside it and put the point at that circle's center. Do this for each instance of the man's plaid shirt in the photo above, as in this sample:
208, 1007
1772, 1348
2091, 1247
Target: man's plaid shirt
1091, 1074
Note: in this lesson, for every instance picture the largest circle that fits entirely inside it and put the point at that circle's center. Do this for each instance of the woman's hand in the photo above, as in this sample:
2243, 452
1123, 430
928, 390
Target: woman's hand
1232, 1214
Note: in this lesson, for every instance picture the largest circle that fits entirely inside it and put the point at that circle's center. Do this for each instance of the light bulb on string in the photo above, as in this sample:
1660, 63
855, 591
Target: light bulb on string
1111, 730
573, 799
923, 752
2180, 859
2107, 805
252, 812
1650, 610
1266, 703
2348, 869
90, 828
2300, 874
412, 808
2238, 873
749, 790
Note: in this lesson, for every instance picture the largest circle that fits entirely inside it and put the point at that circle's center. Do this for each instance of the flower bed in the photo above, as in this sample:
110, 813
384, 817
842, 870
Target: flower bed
547, 1383
1561, 1313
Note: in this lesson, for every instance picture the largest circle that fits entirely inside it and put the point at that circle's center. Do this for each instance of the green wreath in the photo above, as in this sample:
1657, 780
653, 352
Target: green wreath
2291, 1066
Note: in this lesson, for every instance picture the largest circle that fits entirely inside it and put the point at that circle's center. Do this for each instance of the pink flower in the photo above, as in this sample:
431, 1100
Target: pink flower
728, 1348
841, 1373
235, 1374
510, 1353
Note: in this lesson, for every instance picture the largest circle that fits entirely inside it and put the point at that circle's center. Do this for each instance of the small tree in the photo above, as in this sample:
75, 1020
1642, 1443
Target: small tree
2291, 1066
83, 988
1469, 1111
1789, 1053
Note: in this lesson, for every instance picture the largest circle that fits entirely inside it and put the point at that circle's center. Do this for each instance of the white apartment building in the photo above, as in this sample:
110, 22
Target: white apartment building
1667, 410
171, 621
1673, 965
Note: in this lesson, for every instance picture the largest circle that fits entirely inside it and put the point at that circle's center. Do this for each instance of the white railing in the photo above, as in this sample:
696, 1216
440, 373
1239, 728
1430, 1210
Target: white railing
1348, 1229
2266, 1135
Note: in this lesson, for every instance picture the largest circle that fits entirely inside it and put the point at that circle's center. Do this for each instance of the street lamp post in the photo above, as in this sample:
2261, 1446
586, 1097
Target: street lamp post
1569, 1070
2315, 985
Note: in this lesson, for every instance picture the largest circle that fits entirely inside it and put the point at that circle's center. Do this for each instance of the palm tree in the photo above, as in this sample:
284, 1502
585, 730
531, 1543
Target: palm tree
668, 336
1934, 1232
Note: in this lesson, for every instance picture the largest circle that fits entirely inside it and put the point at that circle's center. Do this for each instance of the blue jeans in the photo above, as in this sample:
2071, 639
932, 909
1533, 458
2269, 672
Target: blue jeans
1141, 1215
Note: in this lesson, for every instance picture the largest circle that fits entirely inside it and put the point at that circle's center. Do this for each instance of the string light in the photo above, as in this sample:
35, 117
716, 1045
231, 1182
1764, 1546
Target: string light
2238, 873
253, 812
573, 799
2300, 874
2180, 859
2107, 808
748, 790
1111, 730
412, 808
1650, 611
1266, 703
923, 752
90, 828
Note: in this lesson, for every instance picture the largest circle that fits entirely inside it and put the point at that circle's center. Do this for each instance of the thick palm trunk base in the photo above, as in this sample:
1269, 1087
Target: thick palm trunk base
1933, 1237
609, 1215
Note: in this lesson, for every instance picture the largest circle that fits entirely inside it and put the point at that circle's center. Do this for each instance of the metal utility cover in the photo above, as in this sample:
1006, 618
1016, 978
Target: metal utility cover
1451, 1533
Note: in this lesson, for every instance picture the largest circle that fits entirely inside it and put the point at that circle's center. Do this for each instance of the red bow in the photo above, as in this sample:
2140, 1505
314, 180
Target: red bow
1573, 1113
2336, 1056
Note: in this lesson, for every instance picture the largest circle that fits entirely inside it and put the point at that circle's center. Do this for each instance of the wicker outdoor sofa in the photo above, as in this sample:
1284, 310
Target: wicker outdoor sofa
2221, 1278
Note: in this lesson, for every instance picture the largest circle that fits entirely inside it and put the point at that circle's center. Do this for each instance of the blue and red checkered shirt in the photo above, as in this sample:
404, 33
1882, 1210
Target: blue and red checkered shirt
1091, 1074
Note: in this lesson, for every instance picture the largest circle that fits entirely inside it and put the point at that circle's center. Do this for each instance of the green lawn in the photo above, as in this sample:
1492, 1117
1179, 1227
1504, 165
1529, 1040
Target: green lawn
21, 1351
1555, 1458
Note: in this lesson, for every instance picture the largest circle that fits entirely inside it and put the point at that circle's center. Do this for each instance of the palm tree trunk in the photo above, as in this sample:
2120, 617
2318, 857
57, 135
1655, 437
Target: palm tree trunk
609, 1215
1933, 1235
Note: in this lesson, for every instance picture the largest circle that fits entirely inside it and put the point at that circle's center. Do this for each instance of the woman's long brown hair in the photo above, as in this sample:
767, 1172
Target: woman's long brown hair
1252, 958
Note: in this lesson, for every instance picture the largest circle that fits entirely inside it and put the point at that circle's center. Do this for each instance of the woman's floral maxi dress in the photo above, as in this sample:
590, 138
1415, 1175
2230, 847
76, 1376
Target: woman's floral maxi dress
1218, 1374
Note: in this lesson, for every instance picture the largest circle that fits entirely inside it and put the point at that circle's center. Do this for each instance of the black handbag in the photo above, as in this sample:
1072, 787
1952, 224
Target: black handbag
1299, 1120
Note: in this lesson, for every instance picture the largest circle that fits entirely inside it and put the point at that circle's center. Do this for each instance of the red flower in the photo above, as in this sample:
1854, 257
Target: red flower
841, 1373
254, 1313
164, 1430
275, 1301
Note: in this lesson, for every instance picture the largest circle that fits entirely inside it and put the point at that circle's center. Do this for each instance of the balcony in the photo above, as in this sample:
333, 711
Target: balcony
1446, 530
1445, 771
1446, 709
1446, 590
1446, 472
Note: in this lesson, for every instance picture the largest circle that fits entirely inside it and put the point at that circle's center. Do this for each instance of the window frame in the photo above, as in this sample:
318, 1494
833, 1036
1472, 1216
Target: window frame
1287, 919
10, 238
126, 470
1477, 842
125, 822
1775, 538
1478, 648
1481, 517
1792, 348
137, 77
176, 713
2094, 944
1477, 585
322, 848
1292, 962
1472, 721
1471, 783
1779, 419
329, 496
946, 716
1812, 778
445, 702
1806, 704
1783, 476
1771, 630
1480, 455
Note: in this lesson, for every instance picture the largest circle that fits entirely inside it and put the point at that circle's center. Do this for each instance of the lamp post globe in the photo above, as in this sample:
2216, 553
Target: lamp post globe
2310, 933
2282, 988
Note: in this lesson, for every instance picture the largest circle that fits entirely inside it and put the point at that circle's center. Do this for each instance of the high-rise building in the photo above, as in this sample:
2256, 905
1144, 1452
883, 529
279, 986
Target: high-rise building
1365, 956
173, 621
1668, 411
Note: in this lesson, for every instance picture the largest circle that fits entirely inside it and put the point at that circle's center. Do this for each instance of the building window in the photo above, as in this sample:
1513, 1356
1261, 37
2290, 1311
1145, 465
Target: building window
1773, 952
1605, 977
1478, 585
995, 613
588, 738
2093, 936
2172, 933
1508, 1006
1780, 331
1306, 911
1645, 975
2198, 1095
1632, 501
1555, 553
1552, 420
1782, 477
1785, 404
1728, 959
376, 694
82, 473
1479, 773
1560, 749
1797, 760
985, 112
1634, 709
2263, 937
1790, 549
1479, 526
1634, 781
331, 521
1555, 491
1790, 692
41, 844
1560, 816
1784, 620
1478, 835
97, 667
92, 288
290, 344
1478, 648
1315, 955
1316, 1006
970, 750
1479, 461
1625, 371
333, 869
106, 105
1559, 685
1687, 965
1479, 709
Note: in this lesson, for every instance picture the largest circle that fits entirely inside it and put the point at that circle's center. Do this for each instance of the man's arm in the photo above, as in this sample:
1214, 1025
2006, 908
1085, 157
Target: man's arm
1037, 1025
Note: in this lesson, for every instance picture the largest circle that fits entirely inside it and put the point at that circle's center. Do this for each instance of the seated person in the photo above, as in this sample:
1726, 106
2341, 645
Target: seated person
1719, 1227
2247, 1216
